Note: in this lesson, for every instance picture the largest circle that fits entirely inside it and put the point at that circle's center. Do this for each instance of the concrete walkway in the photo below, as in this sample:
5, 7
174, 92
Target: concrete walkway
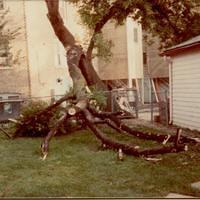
179, 196
196, 185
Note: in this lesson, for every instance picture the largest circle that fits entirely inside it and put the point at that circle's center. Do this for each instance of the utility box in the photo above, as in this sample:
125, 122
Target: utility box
10, 104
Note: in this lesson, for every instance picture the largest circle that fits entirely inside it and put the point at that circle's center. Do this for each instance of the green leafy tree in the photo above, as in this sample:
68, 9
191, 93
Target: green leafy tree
173, 21
6, 36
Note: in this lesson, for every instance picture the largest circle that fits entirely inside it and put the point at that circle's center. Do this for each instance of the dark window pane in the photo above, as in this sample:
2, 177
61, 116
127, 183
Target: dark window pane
144, 58
13, 97
135, 32
8, 108
1, 5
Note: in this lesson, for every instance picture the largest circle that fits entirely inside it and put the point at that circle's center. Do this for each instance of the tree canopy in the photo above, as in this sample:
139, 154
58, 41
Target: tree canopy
173, 21
6, 36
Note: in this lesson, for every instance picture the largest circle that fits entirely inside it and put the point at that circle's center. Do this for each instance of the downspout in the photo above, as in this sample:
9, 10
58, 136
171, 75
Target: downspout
27, 51
130, 83
170, 90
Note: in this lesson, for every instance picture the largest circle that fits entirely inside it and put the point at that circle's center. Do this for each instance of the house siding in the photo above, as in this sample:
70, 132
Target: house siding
186, 89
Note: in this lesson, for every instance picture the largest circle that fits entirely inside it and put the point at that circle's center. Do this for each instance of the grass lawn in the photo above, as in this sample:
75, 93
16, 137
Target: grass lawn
77, 167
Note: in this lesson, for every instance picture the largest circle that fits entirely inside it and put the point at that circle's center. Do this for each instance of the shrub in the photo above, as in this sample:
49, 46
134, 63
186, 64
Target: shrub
42, 125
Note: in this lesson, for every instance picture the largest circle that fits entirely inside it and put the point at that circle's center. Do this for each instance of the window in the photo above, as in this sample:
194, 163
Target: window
13, 97
4, 53
1, 108
144, 58
135, 34
60, 55
8, 108
1, 5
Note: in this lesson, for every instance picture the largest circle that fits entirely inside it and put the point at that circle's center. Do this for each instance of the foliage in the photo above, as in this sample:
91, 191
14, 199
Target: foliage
43, 124
97, 98
170, 19
6, 36
103, 47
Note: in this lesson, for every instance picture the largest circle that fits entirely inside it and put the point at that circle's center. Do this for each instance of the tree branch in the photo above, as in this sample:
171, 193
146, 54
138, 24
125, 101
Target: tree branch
100, 25
33, 118
52, 132
63, 34
128, 149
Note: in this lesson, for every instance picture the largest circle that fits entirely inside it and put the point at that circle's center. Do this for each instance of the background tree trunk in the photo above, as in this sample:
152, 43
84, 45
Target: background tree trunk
75, 55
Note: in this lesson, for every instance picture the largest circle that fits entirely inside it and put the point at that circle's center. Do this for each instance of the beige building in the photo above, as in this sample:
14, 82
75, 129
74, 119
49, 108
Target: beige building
135, 63
126, 64
41, 68
156, 73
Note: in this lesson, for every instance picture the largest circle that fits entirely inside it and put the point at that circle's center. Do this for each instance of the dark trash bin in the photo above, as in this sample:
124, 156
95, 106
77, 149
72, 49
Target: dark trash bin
10, 105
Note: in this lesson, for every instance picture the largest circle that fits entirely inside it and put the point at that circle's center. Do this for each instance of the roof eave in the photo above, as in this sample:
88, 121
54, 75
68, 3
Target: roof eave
177, 50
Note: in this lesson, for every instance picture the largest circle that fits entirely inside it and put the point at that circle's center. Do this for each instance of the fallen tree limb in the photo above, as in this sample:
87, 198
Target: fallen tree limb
178, 135
121, 126
14, 121
33, 118
52, 132
151, 136
147, 136
127, 149
5, 132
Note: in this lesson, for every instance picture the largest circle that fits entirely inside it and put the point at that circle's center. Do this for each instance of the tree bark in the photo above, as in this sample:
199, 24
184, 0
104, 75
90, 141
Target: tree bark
68, 41
120, 126
129, 150
52, 132
62, 33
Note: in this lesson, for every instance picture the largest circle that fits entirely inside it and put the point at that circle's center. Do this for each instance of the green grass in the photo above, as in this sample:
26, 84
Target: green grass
77, 167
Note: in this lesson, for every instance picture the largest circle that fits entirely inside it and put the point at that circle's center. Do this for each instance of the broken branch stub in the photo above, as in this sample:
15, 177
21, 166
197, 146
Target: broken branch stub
52, 132
177, 138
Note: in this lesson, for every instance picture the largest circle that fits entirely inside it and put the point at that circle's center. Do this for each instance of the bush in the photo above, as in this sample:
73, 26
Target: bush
43, 124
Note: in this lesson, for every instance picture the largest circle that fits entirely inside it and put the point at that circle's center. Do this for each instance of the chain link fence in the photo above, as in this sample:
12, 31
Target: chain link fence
126, 100
129, 101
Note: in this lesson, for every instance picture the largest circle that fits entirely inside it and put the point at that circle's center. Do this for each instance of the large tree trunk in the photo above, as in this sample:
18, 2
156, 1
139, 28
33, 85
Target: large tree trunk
74, 52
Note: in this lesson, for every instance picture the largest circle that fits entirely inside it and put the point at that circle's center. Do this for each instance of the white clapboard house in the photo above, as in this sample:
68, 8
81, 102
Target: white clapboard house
184, 73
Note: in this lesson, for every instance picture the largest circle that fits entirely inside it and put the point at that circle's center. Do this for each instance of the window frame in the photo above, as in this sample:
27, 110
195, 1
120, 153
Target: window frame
5, 54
